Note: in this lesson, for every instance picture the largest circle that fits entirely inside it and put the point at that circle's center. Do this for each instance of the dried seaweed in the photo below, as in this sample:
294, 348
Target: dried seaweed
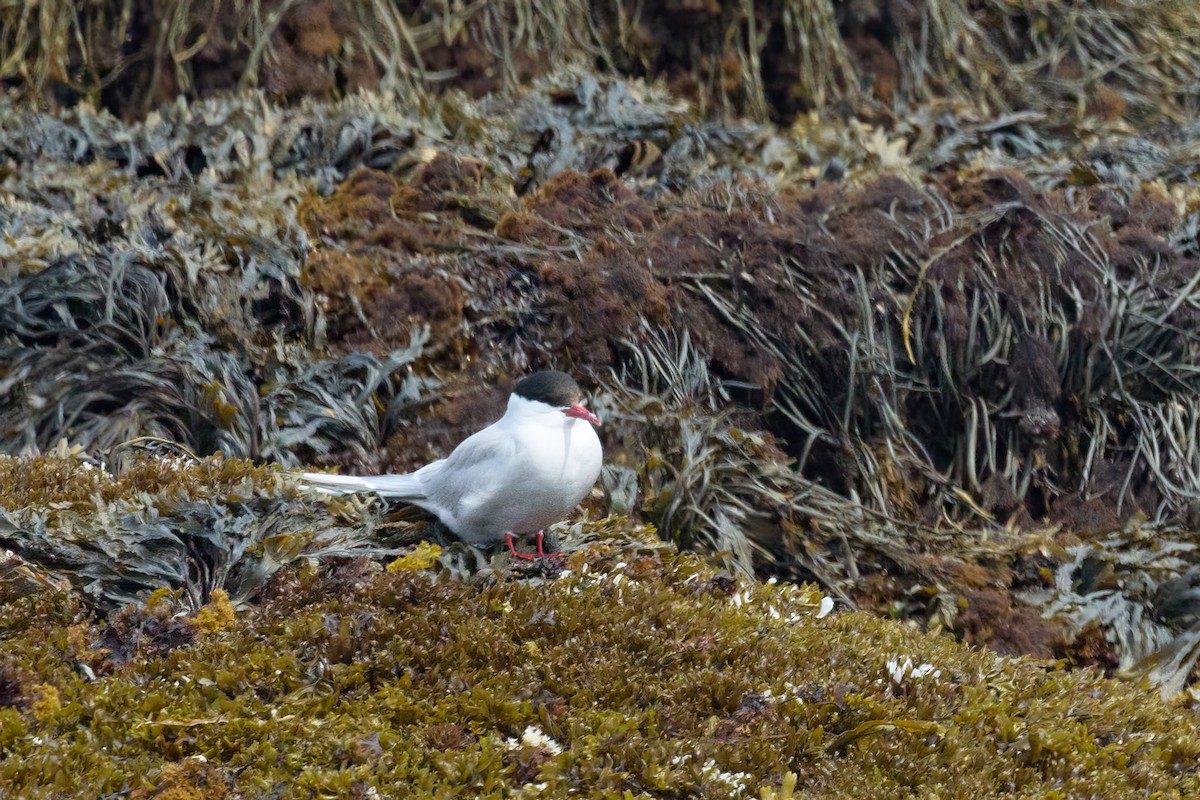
1128, 59
1046, 56
1136, 586
96, 356
836, 350
164, 523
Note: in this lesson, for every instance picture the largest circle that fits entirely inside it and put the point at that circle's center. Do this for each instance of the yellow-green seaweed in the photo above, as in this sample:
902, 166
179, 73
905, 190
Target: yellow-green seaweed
638, 673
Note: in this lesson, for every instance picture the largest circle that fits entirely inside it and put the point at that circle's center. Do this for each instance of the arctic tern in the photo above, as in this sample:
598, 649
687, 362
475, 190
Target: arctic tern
519, 475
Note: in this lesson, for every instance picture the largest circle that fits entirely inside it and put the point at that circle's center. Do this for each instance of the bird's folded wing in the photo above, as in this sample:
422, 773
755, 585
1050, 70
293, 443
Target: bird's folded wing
481, 467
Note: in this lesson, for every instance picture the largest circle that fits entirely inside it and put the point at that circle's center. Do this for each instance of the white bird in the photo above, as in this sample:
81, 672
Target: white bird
519, 475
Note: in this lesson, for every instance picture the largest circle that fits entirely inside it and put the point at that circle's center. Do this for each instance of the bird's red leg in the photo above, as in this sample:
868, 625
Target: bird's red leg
508, 540
542, 553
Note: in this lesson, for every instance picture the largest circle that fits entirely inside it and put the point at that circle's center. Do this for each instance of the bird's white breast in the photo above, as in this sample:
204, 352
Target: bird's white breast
560, 464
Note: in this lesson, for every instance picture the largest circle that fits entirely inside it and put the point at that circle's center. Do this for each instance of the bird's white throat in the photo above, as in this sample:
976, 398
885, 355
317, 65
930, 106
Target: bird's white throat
520, 408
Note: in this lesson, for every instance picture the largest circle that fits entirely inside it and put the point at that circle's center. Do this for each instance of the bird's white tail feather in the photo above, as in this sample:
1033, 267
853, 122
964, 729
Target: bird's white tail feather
403, 486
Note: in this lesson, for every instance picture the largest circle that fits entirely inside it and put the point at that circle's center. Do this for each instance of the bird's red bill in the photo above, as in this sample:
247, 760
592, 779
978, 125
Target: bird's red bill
579, 411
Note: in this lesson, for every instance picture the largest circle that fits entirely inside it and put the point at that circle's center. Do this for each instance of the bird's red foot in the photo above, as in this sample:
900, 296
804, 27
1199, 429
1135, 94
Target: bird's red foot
508, 540
540, 552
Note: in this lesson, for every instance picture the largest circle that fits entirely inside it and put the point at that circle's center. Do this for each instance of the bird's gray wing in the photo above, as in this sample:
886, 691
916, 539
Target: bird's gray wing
478, 471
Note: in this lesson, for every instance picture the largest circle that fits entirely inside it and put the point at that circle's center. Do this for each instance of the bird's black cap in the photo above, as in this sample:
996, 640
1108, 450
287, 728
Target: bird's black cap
551, 387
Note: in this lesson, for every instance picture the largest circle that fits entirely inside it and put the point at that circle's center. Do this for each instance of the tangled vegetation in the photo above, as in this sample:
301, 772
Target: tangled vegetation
895, 298
959, 362
164, 523
636, 672
767, 59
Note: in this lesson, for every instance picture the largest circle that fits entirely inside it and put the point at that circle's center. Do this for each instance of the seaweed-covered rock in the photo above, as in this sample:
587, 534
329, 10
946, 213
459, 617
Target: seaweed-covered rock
930, 360
635, 673
163, 523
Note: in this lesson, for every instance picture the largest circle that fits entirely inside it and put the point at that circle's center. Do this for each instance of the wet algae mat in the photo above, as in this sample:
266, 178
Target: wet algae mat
298, 657
626, 671
894, 299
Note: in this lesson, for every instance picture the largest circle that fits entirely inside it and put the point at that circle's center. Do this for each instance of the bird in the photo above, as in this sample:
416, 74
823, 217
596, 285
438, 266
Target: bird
522, 473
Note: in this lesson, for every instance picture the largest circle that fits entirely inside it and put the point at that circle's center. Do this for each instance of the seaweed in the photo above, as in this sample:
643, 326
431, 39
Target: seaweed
920, 353
352, 681
199, 527
765, 60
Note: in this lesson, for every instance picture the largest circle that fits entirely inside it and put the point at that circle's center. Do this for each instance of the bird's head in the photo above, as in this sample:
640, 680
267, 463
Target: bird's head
557, 390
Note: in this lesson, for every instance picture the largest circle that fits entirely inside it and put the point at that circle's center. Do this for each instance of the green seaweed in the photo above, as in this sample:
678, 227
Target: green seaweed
639, 673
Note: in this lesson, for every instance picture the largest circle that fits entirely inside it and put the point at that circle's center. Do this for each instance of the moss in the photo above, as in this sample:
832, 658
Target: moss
12, 728
373, 297
163, 595
786, 791
190, 779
